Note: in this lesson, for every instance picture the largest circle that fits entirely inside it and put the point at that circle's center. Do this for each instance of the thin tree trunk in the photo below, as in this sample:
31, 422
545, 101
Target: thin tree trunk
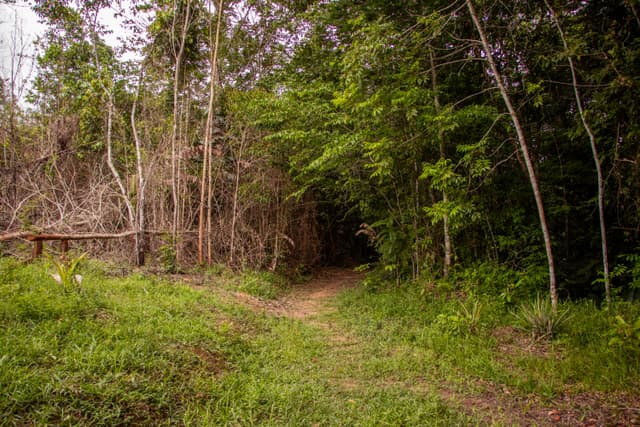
445, 198
596, 158
416, 227
140, 236
183, 139
110, 164
112, 168
525, 153
174, 129
205, 180
209, 203
276, 245
215, 77
234, 211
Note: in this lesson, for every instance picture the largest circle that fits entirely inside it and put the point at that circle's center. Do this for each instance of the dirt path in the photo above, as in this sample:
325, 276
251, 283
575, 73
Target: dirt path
311, 298
308, 299
489, 404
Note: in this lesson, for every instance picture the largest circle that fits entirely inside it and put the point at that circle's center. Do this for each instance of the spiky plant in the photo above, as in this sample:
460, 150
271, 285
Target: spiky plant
539, 318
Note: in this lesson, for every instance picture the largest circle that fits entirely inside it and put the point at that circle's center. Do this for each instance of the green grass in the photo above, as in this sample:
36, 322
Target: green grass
260, 284
118, 351
432, 345
136, 349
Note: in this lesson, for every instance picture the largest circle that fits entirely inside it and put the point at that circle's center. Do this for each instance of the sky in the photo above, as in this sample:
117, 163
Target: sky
19, 28
19, 15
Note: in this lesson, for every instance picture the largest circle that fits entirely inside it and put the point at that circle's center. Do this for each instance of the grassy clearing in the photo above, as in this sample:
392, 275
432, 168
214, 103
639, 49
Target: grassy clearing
119, 350
135, 349
139, 350
420, 342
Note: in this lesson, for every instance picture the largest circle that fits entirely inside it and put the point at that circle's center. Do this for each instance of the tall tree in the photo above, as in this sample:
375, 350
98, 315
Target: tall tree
533, 179
207, 149
181, 13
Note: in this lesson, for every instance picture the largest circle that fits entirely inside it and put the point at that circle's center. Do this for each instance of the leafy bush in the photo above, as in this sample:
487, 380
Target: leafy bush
625, 334
378, 278
485, 278
262, 284
501, 281
627, 269
471, 314
539, 318
217, 270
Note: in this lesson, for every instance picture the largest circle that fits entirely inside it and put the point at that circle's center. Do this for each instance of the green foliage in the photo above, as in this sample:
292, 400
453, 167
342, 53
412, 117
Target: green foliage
168, 257
218, 270
471, 312
463, 320
540, 320
625, 334
378, 278
67, 273
628, 269
378, 112
262, 284
501, 282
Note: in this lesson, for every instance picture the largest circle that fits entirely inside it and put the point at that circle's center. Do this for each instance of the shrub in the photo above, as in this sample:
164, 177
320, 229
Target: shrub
262, 284
168, 257
625, 334
539, 318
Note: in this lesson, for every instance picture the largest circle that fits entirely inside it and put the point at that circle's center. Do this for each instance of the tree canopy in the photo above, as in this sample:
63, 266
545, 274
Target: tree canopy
427, 137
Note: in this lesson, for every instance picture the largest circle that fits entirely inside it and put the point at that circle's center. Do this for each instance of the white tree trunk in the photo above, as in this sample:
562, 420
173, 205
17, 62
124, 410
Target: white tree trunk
178, 56
525, 153
206, 187
140, 237
236, 189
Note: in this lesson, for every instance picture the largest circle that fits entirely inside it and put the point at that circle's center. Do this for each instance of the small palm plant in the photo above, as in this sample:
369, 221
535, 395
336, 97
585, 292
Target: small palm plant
66, 273
539, 318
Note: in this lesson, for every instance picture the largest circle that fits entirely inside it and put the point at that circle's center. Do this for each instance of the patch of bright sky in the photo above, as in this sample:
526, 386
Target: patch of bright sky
18, 17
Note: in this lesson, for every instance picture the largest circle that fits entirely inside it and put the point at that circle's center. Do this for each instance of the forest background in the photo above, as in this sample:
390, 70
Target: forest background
495, 141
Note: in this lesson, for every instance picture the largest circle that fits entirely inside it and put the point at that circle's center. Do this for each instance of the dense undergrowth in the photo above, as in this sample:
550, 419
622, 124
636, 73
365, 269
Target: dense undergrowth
137, 349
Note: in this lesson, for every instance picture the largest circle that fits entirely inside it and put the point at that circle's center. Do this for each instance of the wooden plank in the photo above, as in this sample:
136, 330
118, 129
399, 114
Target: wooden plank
37, 249
64, 248
35, 236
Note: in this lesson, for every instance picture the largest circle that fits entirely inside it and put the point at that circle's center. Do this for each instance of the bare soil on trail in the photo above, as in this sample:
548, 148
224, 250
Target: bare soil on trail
311, 298
307, 299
